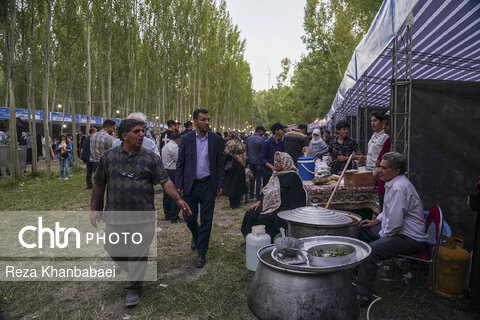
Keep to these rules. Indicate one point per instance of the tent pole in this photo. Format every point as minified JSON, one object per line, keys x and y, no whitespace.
{"x":365,"y":143}
{"x":394,"y":95}
{"x":409,"y":99}
{"x":358,"y":106}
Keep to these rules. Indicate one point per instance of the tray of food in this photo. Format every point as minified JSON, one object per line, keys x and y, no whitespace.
{"x":324,"y":254}
{"x":325,"y":178}
{"x":331,"y":254}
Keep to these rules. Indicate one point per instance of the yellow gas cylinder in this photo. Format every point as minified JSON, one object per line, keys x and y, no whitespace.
{"x":452,"y":265}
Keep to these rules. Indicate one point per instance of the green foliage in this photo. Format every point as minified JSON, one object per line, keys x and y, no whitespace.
{"x":167,"y":58}
{"x":332,"y":31}
{"x":280,"y":104}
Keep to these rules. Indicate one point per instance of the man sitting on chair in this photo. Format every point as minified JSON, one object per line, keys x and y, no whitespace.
{"x":398,"y":229}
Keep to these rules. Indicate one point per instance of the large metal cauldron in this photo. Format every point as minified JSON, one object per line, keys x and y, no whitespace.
{"x":280,"y":291}
{"x":316,"y":221}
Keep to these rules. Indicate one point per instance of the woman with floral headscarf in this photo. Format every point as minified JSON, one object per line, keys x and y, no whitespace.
{"x":284,"y":191}
{"x":235,"y":160}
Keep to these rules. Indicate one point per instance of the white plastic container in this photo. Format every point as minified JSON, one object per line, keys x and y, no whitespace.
{"x":254,"y":241}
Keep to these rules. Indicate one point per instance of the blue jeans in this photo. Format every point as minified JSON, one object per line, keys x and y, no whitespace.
{"x":65,"y":164}
{"x":256,"y":182}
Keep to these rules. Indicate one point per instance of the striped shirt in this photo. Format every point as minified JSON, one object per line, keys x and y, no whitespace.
{"x":99,"y":143}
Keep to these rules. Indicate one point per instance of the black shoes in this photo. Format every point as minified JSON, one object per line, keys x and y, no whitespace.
{"x":363,"y":301}
{"x":201,"y":261}
{"x":177,"y":220}
{"x":132,"y":299}
{"x":193,"y":244}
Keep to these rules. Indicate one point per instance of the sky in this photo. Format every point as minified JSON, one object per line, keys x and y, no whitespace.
{"x":273,"y":31}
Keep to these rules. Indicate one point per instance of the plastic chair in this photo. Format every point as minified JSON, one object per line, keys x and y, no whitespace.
{"x":435,"y":216}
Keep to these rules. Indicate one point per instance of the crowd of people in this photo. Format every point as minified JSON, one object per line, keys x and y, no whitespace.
{"x":196,"y":165}
{"x":59,"y":148}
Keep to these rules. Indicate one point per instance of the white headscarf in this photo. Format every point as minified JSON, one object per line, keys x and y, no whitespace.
{"x":316,"y":139}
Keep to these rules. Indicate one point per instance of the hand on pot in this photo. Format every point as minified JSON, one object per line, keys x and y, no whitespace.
{"x":369,"y":223}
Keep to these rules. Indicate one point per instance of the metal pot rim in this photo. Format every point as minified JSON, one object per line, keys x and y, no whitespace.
{"x":363,"y":250}
{"x":323,"y":226}
{"x":355,"y":217}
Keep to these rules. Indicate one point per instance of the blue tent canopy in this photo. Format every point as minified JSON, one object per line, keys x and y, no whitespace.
{"x":445,"y":46}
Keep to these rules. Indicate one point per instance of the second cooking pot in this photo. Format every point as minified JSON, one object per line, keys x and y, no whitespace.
{"x":312,"y":221}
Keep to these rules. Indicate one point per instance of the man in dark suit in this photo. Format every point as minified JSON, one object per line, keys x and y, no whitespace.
{"x":86,"y":157}
{"x":199,"y":176}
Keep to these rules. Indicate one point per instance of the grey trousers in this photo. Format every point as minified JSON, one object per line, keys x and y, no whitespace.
{"x":130,"y":257}
{"x":382,"y":249}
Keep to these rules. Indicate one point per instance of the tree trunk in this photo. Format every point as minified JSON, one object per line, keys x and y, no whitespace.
{"x":31,"y":100}
{"x":70,"y":95}
{"x":54,"y":91}
{"x":158,"y":118}
{"x":180,"y":111}
{"x":127,"y":64}
{"x":193,"y":92}
{"x":163,"y":102}
{"x":199,"y":98}
{"x":10,"y":41}
{"x":102,"y":83}
{"x":74,"y":127}
{"x":45,"y":90}
{"x":109,"y":80}
{"x":34,"y":129}
{"x":89,"y":72}
{"x":17,"y":173}
{"x":334,"y":59}
{"x":54,"y":101}
{"x":134,"y":102}
{"x":146,"y":92}
{"x":177,"y":105}
{"x":180,"y":100}
{"x":134,"y":99}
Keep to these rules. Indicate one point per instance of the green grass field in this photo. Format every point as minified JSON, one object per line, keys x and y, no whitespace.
{"x":218,"y":291}
{"x":182,"y":291}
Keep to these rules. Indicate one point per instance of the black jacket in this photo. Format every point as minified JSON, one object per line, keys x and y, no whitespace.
{"x":187,"y":161}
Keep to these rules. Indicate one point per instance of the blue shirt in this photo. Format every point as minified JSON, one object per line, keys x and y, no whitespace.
{"x":269,"y":147}
{"x":203,"y":163}
{"x":254,"y":148}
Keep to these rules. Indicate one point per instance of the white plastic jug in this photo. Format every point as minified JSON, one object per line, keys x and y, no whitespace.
{"x":254,"y":241}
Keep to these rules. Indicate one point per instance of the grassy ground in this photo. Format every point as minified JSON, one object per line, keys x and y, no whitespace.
{"x":182,"y":291}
